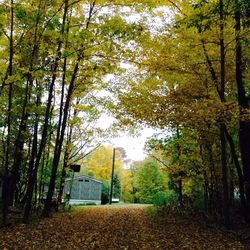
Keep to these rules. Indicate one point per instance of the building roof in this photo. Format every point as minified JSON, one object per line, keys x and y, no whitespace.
{"x":84,"y":176}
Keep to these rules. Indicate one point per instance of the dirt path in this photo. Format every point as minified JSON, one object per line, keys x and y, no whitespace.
{"x":116,"y":227}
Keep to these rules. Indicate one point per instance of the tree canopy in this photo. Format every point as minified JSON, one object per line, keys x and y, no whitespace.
{"x":178,"y":66}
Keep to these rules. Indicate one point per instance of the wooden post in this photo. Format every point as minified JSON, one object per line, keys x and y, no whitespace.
{"x":112,"y":178}
{"x":71,"y":184}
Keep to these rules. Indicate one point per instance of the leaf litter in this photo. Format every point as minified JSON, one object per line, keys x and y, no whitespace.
{"x":115,"y":227}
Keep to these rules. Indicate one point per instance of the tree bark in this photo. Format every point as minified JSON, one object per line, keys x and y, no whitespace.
{"x":59,"y":143}
{"x":244,"y":126}
{"x":32,"y":171}
{"x":239,"y":173}
{"x":6,"y":179}
{"x":226,"y":205}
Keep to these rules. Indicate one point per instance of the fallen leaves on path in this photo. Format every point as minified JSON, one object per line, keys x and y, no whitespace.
{"x":114,"y":227}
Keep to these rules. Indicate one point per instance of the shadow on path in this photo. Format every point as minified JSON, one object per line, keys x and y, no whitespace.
{"x":114,"y":227}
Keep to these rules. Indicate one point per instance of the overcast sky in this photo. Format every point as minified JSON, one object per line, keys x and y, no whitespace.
{"x":134,"y":144}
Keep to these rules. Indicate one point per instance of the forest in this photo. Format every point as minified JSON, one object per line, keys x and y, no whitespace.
{"x":180,"y":67}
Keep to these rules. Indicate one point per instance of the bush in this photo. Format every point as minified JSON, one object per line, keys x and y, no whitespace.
{"x":148,"y":181}
{"x":105,"y":193}
{"x":198,"y":201}
{"x":164,"y":199}
{"x":90,"y":204}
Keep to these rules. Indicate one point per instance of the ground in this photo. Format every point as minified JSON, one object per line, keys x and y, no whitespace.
{"x":115,"y":227}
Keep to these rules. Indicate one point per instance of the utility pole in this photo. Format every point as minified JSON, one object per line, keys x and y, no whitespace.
{"x":112,"y":178}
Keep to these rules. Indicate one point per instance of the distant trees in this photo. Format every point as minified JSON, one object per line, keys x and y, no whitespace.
{"x":117,"y":186}
{"x":99,"y":165}
{"x":148,"y":181}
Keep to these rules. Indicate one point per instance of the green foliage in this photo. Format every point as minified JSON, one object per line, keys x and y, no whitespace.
{"x":116,"y":186}
{"x":198,"y":201}
{"x":165,"y":199}
{"x":105,"y":193}
{"x":148,"y":181}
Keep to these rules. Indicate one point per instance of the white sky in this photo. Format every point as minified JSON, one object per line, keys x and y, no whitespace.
{"x":134,"y":144}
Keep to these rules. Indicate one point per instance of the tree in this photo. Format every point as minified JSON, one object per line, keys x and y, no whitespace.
{"x":192,"y":91}
{"x":99,"y":163}
{"x":117,"y":186}
{"x":51,"y":48}
{"x":105,"y":193}
{"x":148,"y":181}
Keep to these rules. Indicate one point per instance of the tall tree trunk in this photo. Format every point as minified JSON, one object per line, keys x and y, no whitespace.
{"x":6,"y":179}
{"x":226,"y":205}
{"x":41,"y":178}
{"x":213,"y":189}
{"x":50,"y":94}
{"x":32,"y":171}
{"x":229,"y":138}
{"x":19,"y":143}
{"x":180,"y":174}
{"x":18,"y":156}
{"x":59,"y":140}
{"x":66,"y":155}
{"x":239,"y":173}
{"x":46,"y":165}
{"x":62,"y":182}
{"x":65,"y":165}
{"x":59,"y":143}
{"x":244,"y":126}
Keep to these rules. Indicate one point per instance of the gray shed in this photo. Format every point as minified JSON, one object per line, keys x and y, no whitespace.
{"x":85,"y":189}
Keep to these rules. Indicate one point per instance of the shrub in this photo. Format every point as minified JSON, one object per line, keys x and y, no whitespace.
{"x":198,"y":201}
{"x":105,"y":193}
{"x":165,"y":199}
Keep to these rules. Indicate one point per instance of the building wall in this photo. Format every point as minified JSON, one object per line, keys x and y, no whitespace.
{"x":84,"y":189}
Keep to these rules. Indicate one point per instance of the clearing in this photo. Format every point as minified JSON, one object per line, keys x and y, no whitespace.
{"x":115,"y":227}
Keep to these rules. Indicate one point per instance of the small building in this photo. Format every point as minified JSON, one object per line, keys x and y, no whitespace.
{"x":84,"y":190}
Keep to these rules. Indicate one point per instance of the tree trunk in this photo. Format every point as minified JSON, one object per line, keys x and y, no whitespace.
{"x":50,"y":94}
{"x":47,"y":161}
{"x":32,"y":172}
{"x":19,"y":145}
{"x":180,"y":198}
{"x":59,"y":142}
{"x":244,"y":126}
{"x":6,"y":178}
{"x":62,"y":182}
{"x":226,"y":205}
{"x":239,"y":173}
{"x":66,"y":155}
{"x":65,"y":165}
{"x":41,"y":179}
{"x":224,"y":177}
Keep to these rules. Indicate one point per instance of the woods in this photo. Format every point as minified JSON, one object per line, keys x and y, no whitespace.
{"x":194,"y":83}
{"x":57,"y":53}
{"x":179,"y":67}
